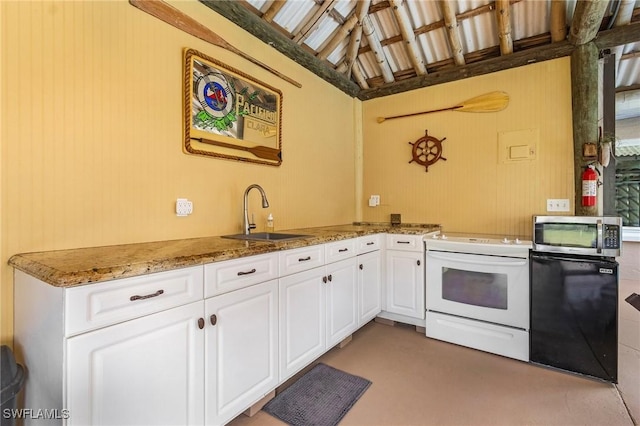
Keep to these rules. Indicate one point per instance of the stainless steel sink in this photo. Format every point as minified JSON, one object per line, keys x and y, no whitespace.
{"x":266,"y":236}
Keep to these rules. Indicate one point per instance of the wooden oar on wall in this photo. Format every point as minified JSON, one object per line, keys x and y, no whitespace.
{"x":489,"y":102}
{"x":172,"y":16}
{"x":259,"y":151}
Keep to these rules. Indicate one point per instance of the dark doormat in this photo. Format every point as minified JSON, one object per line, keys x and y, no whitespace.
{"x":321,"y":397}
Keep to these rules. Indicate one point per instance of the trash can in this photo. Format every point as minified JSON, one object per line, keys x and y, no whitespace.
{"x":12,"y":380}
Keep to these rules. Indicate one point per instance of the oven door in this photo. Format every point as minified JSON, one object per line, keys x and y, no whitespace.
{"x":487,"y":288}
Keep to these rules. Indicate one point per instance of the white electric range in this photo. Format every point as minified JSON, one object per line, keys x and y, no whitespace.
{"x":477,"y":292}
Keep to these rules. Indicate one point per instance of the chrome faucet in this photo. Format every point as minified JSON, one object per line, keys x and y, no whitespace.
{"x":248,"y":226}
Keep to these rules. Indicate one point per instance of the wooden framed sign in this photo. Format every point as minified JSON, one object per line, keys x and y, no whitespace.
{"x":228,"y":114}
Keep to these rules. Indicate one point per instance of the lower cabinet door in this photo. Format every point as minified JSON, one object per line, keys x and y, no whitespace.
{"x":241,"y":350}
{"x":148,"y":371}
{"x":405,"y":283}
{"x":370,"y":286}
{"x":342,"y":300}
{"x":302,"y":320}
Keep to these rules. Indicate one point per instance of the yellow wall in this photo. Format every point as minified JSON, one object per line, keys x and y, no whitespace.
{"x":91,"y":134}
{"x":471,"y":191}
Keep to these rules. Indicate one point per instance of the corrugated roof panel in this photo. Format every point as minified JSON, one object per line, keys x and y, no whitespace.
{"x":435,"y":45}
{"x":369,"y":65}
{"x":479,"y":32}
{"x":385,"y":24}
{"x":339,"y":52}
{"x":397,"y":57}
{"x":327,"y":25}
{"x":628,"y":72}
{"x":293,"y":13}
{"x":529,"y":18}
{"x":261,"y":5}
{"x":422,"y":13}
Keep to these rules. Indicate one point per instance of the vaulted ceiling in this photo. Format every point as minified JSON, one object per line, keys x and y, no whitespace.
{"x":374,"y":48}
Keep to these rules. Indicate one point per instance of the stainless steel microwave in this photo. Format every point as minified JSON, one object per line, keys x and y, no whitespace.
{"x":585,"y":235}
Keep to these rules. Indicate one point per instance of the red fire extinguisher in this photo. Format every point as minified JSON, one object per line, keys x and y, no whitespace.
{"x":589,"y":186}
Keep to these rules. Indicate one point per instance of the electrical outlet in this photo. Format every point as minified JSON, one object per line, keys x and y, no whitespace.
{"x":374,"y":200}
{"x":184,"y":207}
{"x":558,"y":205}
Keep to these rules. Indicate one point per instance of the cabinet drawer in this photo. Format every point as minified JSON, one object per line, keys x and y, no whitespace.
{"x":368,"y":243}
{"x":340,"y":250}
{"x":97,"y":305}
{"x":302,"y":259}
{"x":223,"y":277}
{"x":405,"y":242}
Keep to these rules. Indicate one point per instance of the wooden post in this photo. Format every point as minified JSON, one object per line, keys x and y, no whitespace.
{"x":584,"y":96}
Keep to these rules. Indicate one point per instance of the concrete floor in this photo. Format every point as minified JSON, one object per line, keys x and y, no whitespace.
{"x":421,"y":381}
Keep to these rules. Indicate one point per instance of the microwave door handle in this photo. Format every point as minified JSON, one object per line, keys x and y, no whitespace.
{"x":599,"y":243}
{"x":519,"y":262}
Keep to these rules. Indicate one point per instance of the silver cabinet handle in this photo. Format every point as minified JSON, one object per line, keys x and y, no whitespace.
{"x":146,"y":296}
{"x":253,"y":271}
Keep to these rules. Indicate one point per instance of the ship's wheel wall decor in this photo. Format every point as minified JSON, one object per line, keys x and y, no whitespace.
{"x":427,"y":150}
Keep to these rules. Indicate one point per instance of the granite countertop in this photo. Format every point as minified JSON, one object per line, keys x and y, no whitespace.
{"x":68,"y":268}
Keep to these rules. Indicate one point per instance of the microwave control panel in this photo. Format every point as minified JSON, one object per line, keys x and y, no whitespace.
{"x":611,"y":236}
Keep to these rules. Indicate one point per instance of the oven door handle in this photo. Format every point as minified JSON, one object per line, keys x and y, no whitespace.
{"x":519,"y":262}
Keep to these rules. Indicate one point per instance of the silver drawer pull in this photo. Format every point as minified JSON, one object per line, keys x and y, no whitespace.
{"x":342,"y":250}
{"x":147,"y":296}
{"x":248,"y":272}
{"x":304,"y":259}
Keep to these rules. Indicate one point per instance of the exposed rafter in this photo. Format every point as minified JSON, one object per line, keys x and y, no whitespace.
{"x":558,"y":18}
{"x":355,"y":41}
{"x":365,"y":68}
{"x":376,"y":48}
{"x":407,"y":34}
{"x":503,"y":18}
{"x":587,"y":18}
{"x":342,"y":33}
{"x":453,"y":36}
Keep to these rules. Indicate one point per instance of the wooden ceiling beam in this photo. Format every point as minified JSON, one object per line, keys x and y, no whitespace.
{"x":408,"y":36}
{"x":558,"y":18}
{"x":587,"y":18}
{"x":618,"y":35}
{"x":356,"y":39}
{"x":453,"y":34}
{"x":339,"y":36}
{"x":503,"y":18}
{"x":537,"y":54}
{"x":241,"y":16}
{"x":376,"y":48}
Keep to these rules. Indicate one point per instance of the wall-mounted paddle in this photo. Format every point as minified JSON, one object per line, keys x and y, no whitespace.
{"x":259,"y":151}
{"x":172,"y":16}
{"x":489,"y":102}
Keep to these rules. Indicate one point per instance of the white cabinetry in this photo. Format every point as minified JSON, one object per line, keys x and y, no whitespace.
{"x":119,"y":352}
{"x":318,"y":305}
{"x":146,"y":371}
{"x":241,"y":354}
{"x":405,"y":279}
{"x":369,"y":278}
{"x":302,"y":320}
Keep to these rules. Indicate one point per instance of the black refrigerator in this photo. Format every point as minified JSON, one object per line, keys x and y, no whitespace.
{"x":574,"y":314}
